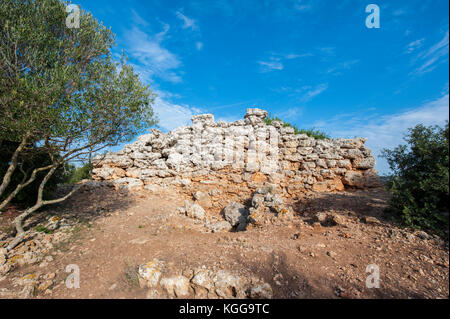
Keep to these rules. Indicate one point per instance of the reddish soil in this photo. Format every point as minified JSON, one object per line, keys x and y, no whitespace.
{"x":299,"y":259}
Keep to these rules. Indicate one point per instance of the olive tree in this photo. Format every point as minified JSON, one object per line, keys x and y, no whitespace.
{"x":62,"y":91}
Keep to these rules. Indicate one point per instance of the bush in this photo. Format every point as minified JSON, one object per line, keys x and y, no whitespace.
{"x":317,"y":134}
{"x":420,"y":183}
{"x":79,"y":173}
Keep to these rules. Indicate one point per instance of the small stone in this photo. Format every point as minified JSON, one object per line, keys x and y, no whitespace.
{"x":332,"y":254}
{"x":338,"y":219}
{"x":422,"y":235}
{"x":45,"y":285}
{"x":194,"y":210}
{"x":371,"y":220}
{"x":50,"y":275}
{"x":113,"y":286}
{"x":321,"y":217}
{"x":222,"y":226}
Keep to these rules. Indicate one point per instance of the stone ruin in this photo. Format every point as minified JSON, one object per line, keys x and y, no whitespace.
{"x":237,"y":158}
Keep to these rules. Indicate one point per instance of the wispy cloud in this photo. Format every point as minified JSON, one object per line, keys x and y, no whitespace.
{"x":386,"y":131}
{"x":276,"y":61}
{"x":291,"y":114}
{"x":188,"y":23}
{"x":430,"y":58}
{"x":137,"y":19}
{"x":311,"y":92}
{"x":411,"y":47}
{"x":267,"y":66}
{"x":336,"y":70}
{"x":152,"y":58}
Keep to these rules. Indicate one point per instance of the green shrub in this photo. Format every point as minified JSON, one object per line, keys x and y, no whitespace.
{"x":420,"y":181}
{"x":317,"y":134}
{"x":80,"y":173}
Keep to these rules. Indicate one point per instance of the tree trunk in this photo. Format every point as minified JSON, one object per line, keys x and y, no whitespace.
{"x":22,"y":185}
{"x":13,"y":165}
{"x":18,"y":221}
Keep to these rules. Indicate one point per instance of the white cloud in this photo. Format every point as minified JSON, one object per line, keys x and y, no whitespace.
{"x":313,"y":92}
{"x":429,"y":59}
{"x":276,"y":61}
{"x":188,"y":23}
{"x":153,"y":59}
{"x":267,"y":66}
{"x":387,"y":131}
{"x":291,"y":114}
{"x":411,"y":47}
{"x":172,"y":115}
{"x":137,"y":19}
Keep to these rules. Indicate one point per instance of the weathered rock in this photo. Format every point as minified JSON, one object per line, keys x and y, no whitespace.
{"x":371,"y":220}
{"x":321,"y":217}
{"x":45,"y":285}
{"x":338,"y":219}
{"x":227,"y":285}
{"x":194,"y":210}
{"x":421,"y":234}
{"x":236,"y":214}
{"x":354,"y":179}
{"x":150,"y":273}
{"x":222,"y":226}
{"x":177,"y":286}
{"x":202,"y":283}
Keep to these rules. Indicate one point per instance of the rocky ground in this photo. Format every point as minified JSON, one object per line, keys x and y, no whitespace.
{"x":161,"y":244}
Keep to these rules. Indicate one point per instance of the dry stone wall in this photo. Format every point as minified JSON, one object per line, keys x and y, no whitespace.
{"x":239,"y":157}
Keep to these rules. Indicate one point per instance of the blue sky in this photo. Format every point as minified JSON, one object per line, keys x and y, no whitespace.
{"x":312,"y":63}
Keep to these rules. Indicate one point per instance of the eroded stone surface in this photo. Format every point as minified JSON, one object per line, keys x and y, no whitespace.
{"x":244,"y":153}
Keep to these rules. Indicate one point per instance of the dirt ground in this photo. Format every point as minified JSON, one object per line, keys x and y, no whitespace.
{"x":112,"y":233}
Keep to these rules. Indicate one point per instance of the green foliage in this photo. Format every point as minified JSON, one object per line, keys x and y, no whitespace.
{"x":317,"y":134}
{"x":61,"y":88}
{"x":79,"y":173}
{"x":420,"y":183}
{"x":43,"y":229}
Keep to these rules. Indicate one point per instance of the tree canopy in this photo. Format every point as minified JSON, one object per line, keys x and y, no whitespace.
{"x":62,"y":89}
{"x":420,"y":184}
